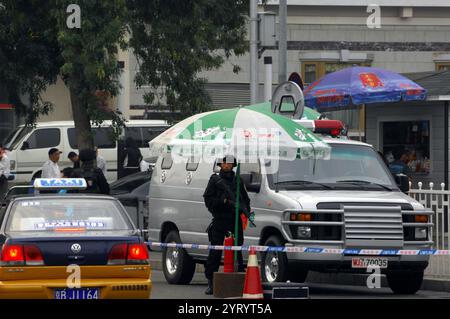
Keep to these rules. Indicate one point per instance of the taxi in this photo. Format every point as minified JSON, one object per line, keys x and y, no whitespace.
{"x":71,"y":246}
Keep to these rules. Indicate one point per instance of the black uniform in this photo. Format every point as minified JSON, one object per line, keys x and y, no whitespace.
{"x":96,"y":181}
{"x":221,"y":187}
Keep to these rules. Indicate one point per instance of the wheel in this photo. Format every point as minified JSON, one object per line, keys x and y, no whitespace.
{"x":274,"y":265}
{"x":178,"y":266}
{"x":405,"y":282}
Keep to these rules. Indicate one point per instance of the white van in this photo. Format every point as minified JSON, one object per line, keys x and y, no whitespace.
{"x":350,"y":201}
{"x":28,"y":147}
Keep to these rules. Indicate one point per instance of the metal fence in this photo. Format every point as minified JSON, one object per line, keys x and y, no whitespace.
{"x":439,"y":202}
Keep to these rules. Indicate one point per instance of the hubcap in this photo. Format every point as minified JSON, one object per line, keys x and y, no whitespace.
{"x":271,"y":266}
{"x":172,"y":259}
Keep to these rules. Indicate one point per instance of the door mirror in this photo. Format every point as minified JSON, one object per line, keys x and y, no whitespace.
{"x":25,"y":146}
{"x":252,"y":182}
{"x":403,"y":182}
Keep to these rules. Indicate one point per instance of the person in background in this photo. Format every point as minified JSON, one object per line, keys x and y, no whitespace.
{"x":132,"y":157}
{"x":96,"y":181}
{"x":400,"y":163}
{"x":75,"y":159}
{"x":5,"y":167}
{"x":383,"y":158}
{"x":101,"y":162}
{"x":50,"y":169}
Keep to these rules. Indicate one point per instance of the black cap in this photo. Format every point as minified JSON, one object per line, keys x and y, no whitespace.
{"x":227,"y":159}
{"x":71,"y":154}
{"x":53,"y":151}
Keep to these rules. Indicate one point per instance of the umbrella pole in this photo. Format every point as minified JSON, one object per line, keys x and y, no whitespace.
{"x":236,"y":227}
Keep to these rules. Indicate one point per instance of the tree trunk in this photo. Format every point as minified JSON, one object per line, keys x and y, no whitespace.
{"x":85,"y":139}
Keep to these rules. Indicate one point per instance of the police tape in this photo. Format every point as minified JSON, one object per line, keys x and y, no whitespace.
{"x":352,"y":251}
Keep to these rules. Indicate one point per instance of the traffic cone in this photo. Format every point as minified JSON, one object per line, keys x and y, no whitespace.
{"x":252,"y":285}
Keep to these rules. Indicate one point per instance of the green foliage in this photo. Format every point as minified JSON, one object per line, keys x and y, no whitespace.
{"x":29,"y":54}
{"x":173,"y":41}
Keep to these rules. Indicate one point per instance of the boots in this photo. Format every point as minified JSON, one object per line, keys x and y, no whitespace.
{"x":209,"y":290}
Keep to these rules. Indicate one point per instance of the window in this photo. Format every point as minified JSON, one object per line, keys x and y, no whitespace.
{"x":442,"y":66}
{"x":44,"y":138}
{"x":143,"y":135}
{"x":312,"y":71}
{"x":167,"y":161}
{"x":103,"y":137}
{"x":129,"y":185}
{"x":410,"y":137}
{"x":192,"y":164}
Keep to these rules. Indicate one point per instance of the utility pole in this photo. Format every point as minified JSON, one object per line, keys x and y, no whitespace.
{"x":253,"y":51}
{"x":282,"y":42}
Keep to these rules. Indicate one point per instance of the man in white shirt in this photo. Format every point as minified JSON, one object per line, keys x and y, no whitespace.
{"x":51,"y":168}
{"x":5,"y":167}
{"x":101,"y":162}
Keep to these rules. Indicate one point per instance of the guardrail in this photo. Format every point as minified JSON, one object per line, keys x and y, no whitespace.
{"x":439,"y":202}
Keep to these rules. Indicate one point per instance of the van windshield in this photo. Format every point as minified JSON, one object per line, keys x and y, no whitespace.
{"x":354,"y":167}
{"x":16,"y":136}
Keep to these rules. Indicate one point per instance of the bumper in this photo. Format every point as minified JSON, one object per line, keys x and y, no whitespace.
{"x":115,"y":288}
{"x":113,"y":282}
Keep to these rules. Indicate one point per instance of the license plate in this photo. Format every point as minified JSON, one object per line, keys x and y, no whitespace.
{"x":364,"y":262}
{"x":77,"y":293}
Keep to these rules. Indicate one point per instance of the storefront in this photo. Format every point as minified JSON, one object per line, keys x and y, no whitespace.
{"x":417,"y":129}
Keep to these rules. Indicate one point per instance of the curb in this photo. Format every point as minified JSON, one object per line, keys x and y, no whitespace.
{"x":433,"y":284}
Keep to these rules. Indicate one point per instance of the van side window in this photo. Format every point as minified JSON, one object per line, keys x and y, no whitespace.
{"x":167,"y":161}
{"x":143,"y":134}
{"x":192,"y":164}
{"x":44,"y":138}
{"x":103,"y":137}
{"x":248,"y":168}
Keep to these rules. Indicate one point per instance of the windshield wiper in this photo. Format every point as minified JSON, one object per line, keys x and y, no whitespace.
{"x":302,"y":182}
{"x":359,"y":182}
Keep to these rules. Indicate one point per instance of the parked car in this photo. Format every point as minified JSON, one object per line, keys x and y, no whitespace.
{"x":132,"y":191}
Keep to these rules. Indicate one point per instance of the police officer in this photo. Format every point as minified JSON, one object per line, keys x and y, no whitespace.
{"x":220,"y":200}
{"x":96,"y":181}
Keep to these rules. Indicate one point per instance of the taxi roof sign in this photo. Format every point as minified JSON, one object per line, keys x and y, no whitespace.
{"x":59,"y":183}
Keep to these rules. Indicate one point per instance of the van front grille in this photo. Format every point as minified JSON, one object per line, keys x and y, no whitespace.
{"x":373,"y":223}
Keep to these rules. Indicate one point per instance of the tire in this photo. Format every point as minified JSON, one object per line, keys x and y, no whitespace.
{"x":405,"y":282}
{"x":274,"y":265}
{"x":178,"y":266}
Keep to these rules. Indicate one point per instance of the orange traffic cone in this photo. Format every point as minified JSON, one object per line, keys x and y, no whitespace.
{"x":252,"y":285}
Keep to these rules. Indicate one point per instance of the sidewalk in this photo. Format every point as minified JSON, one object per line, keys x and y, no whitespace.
{"x":432,"y":284}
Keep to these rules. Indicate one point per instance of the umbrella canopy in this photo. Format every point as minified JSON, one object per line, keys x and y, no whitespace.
{"x":248,"y":133}
{"x":308,"y":113}
{"x":361,"y":85}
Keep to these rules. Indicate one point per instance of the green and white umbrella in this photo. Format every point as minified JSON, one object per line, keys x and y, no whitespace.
{"x":250,"y":132}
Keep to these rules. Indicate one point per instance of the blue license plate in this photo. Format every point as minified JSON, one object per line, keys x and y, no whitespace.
{"x":77,"y":293}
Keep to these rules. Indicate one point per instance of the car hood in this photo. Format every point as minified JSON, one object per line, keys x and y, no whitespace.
{"x":309,"y":199}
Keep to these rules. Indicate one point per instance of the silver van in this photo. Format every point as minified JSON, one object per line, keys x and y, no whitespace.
{"x":350,"y":201}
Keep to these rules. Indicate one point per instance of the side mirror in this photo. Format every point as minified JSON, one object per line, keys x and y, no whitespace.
{"x":252,"y":182}
{"x":403,"y":182}
{"x":25,"y":146}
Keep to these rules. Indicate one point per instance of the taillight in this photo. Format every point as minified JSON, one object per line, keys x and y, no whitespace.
{"x":128,"y":254}
{"x":33,"y":256}
{"x":16,"y":255}
{"x":137,"y":253}
{"x":12,"y":255}
{"x":118,"y":255}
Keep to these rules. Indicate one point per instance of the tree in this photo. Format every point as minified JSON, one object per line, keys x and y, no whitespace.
{"x":175,"y":39}
{"x":172,"y":39}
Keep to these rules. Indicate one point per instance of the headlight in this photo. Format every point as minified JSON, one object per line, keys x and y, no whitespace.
{"x":13,"y":165}
{"x":420,"y":233}
{"x":304,"y":232}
